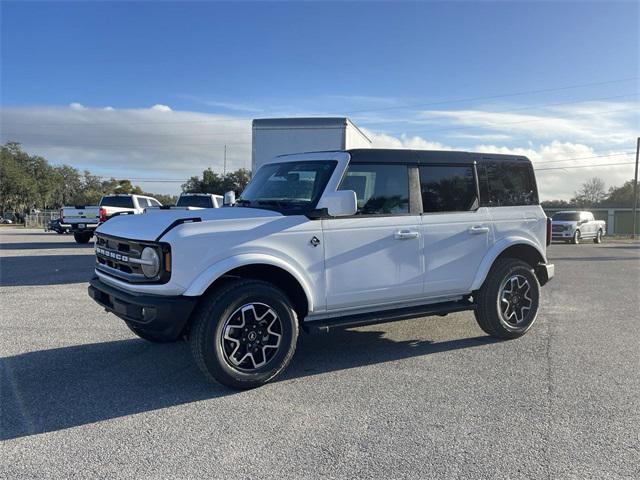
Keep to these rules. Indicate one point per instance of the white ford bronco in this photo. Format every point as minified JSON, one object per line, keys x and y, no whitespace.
{"x":330,"y":239}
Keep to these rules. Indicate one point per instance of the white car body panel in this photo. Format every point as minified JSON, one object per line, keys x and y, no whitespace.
{"x":358,"y":249}
{"x":89,"y":216}
{"x":454,"y":245}
{"x":359,"y":262}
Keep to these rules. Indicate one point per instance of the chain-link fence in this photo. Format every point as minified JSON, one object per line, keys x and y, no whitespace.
{"x":41,"y":219}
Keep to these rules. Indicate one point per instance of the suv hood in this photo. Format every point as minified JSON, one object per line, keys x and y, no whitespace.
{"x":149,"y":226}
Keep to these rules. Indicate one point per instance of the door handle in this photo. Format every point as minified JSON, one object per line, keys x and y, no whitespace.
{"x":406,"y":234}
{"x":477,"y":229}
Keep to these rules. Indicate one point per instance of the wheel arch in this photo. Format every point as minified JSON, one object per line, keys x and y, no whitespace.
{"x":520,"y":248}
{"x":260,"y":267}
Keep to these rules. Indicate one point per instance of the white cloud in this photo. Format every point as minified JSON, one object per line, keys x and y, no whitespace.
{"x":77,"y":106}
{"x":161,"y":108}
{"x":143,"y":142}
{"x":150,"y":143}
{"x":592,"y":122}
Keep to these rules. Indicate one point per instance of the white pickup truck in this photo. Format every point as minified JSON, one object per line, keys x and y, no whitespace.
{"x":199,"y":200}
{"x":574,"y":226}
{"x":83,"y":221}
{"x":325,"y":240}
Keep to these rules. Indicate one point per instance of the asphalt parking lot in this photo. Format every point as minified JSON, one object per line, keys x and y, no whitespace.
{"x":82,"y":397}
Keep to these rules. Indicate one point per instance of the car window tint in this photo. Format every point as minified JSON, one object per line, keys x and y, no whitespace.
{"x":194,"y":201}
{"x":448,"y":188}
{"x":507,"y":183}
{"x":121,"y":202}
{"x":380,"y":189}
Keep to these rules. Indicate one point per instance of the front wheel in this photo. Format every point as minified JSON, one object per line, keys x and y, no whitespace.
{"x":244,"y":334}
{"x":598,"y":238}
{"x":508,"y":300}
{"x":82,"y":237}
{"x":576,"y":237}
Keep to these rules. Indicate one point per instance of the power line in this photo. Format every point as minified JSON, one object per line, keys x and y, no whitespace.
{"x":489,"y":97}
{"x":452,"y":128}
{"x":501,"y":124}
{"x":538,"y":106}
{"x":586,"y":158}
{"x":244,"y":132}
{"x":584,"y":166}
{"x":134,"y":146}
{"x":399,"y":107}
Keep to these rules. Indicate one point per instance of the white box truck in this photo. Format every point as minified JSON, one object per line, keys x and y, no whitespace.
{"x":280,"y":136}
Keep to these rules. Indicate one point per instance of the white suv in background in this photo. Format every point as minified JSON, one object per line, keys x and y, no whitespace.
{"x":331,"y":239}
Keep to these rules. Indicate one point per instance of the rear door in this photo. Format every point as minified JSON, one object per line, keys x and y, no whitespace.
{"x":374,"y":257}
{"x":455,"y":229}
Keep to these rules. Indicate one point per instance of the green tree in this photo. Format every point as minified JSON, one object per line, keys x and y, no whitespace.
{"x":621,"y":196}
{"x":590,"y":193}
{"x":213,"y":182}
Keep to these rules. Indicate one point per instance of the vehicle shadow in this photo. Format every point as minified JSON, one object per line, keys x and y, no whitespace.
{"x":595,"y":259}
{"x":45,"y":246}
{"x":50,"y":390}
{"x":45,"y":269}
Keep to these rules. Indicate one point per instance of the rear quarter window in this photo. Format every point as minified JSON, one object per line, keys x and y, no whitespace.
{"x":504,"y":184}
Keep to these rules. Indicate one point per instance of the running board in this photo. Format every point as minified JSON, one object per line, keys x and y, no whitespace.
{"x":371,"y":318}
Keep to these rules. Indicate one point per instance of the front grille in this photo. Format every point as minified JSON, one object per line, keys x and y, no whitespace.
{"x":117,"y":257}
{"x":557,"y":228}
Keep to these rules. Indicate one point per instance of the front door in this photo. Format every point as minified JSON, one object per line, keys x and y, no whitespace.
{"x":374,"y":257}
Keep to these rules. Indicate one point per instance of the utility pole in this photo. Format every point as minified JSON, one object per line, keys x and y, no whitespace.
{"x":224,"y":168}
{"x":635,"y":191}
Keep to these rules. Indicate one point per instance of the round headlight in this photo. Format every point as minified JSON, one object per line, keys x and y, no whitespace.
{"x":151,"y":267}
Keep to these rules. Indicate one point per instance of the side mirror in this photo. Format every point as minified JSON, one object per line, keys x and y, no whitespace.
{"x":229,"y":198}
{"x":339,"y":204}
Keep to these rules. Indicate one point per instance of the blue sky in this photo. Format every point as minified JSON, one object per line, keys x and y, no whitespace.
{"x":394,"y":67}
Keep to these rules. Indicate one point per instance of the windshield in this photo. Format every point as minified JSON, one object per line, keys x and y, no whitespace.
{"x":567,"y":217}
{"x":194,"y":201}
{"x":122,"y":202}
{"x":290,"y":188}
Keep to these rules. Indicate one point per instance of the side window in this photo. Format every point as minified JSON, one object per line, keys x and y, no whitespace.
{"x":448,"y":188}
{"x":154,"y":203}
{"x":380,"y":189}
{"x":508,"y":184}
{"x":142,"y":202}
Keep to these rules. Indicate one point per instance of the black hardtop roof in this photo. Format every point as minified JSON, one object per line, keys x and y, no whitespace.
{"x":385,"y":155}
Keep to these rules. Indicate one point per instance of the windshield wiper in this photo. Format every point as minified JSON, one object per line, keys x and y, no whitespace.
{"x":241,"y":202}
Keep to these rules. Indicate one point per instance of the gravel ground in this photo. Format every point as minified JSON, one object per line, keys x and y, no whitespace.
{"x":82,"y":397}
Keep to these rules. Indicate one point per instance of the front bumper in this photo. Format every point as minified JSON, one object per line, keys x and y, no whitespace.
{"x":561,"y":235}
{"x":545,"y":272}
{"x":162,"y":315}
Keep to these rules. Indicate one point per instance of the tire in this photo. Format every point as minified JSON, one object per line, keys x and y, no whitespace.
{"x":151,"y":337}
{"x":82,"y":237}
{"x":576,"y":237}
{"x":241,"y":307}
{"x":501,"y":321}
{"x":598,"y":237}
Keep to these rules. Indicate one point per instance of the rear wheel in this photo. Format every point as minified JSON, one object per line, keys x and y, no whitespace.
{"x":82,"y":237}
{"x":508,"y":300}
{"x":576,"y":237}
{"x":244,"y":334}
{"x":598,"y":238}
